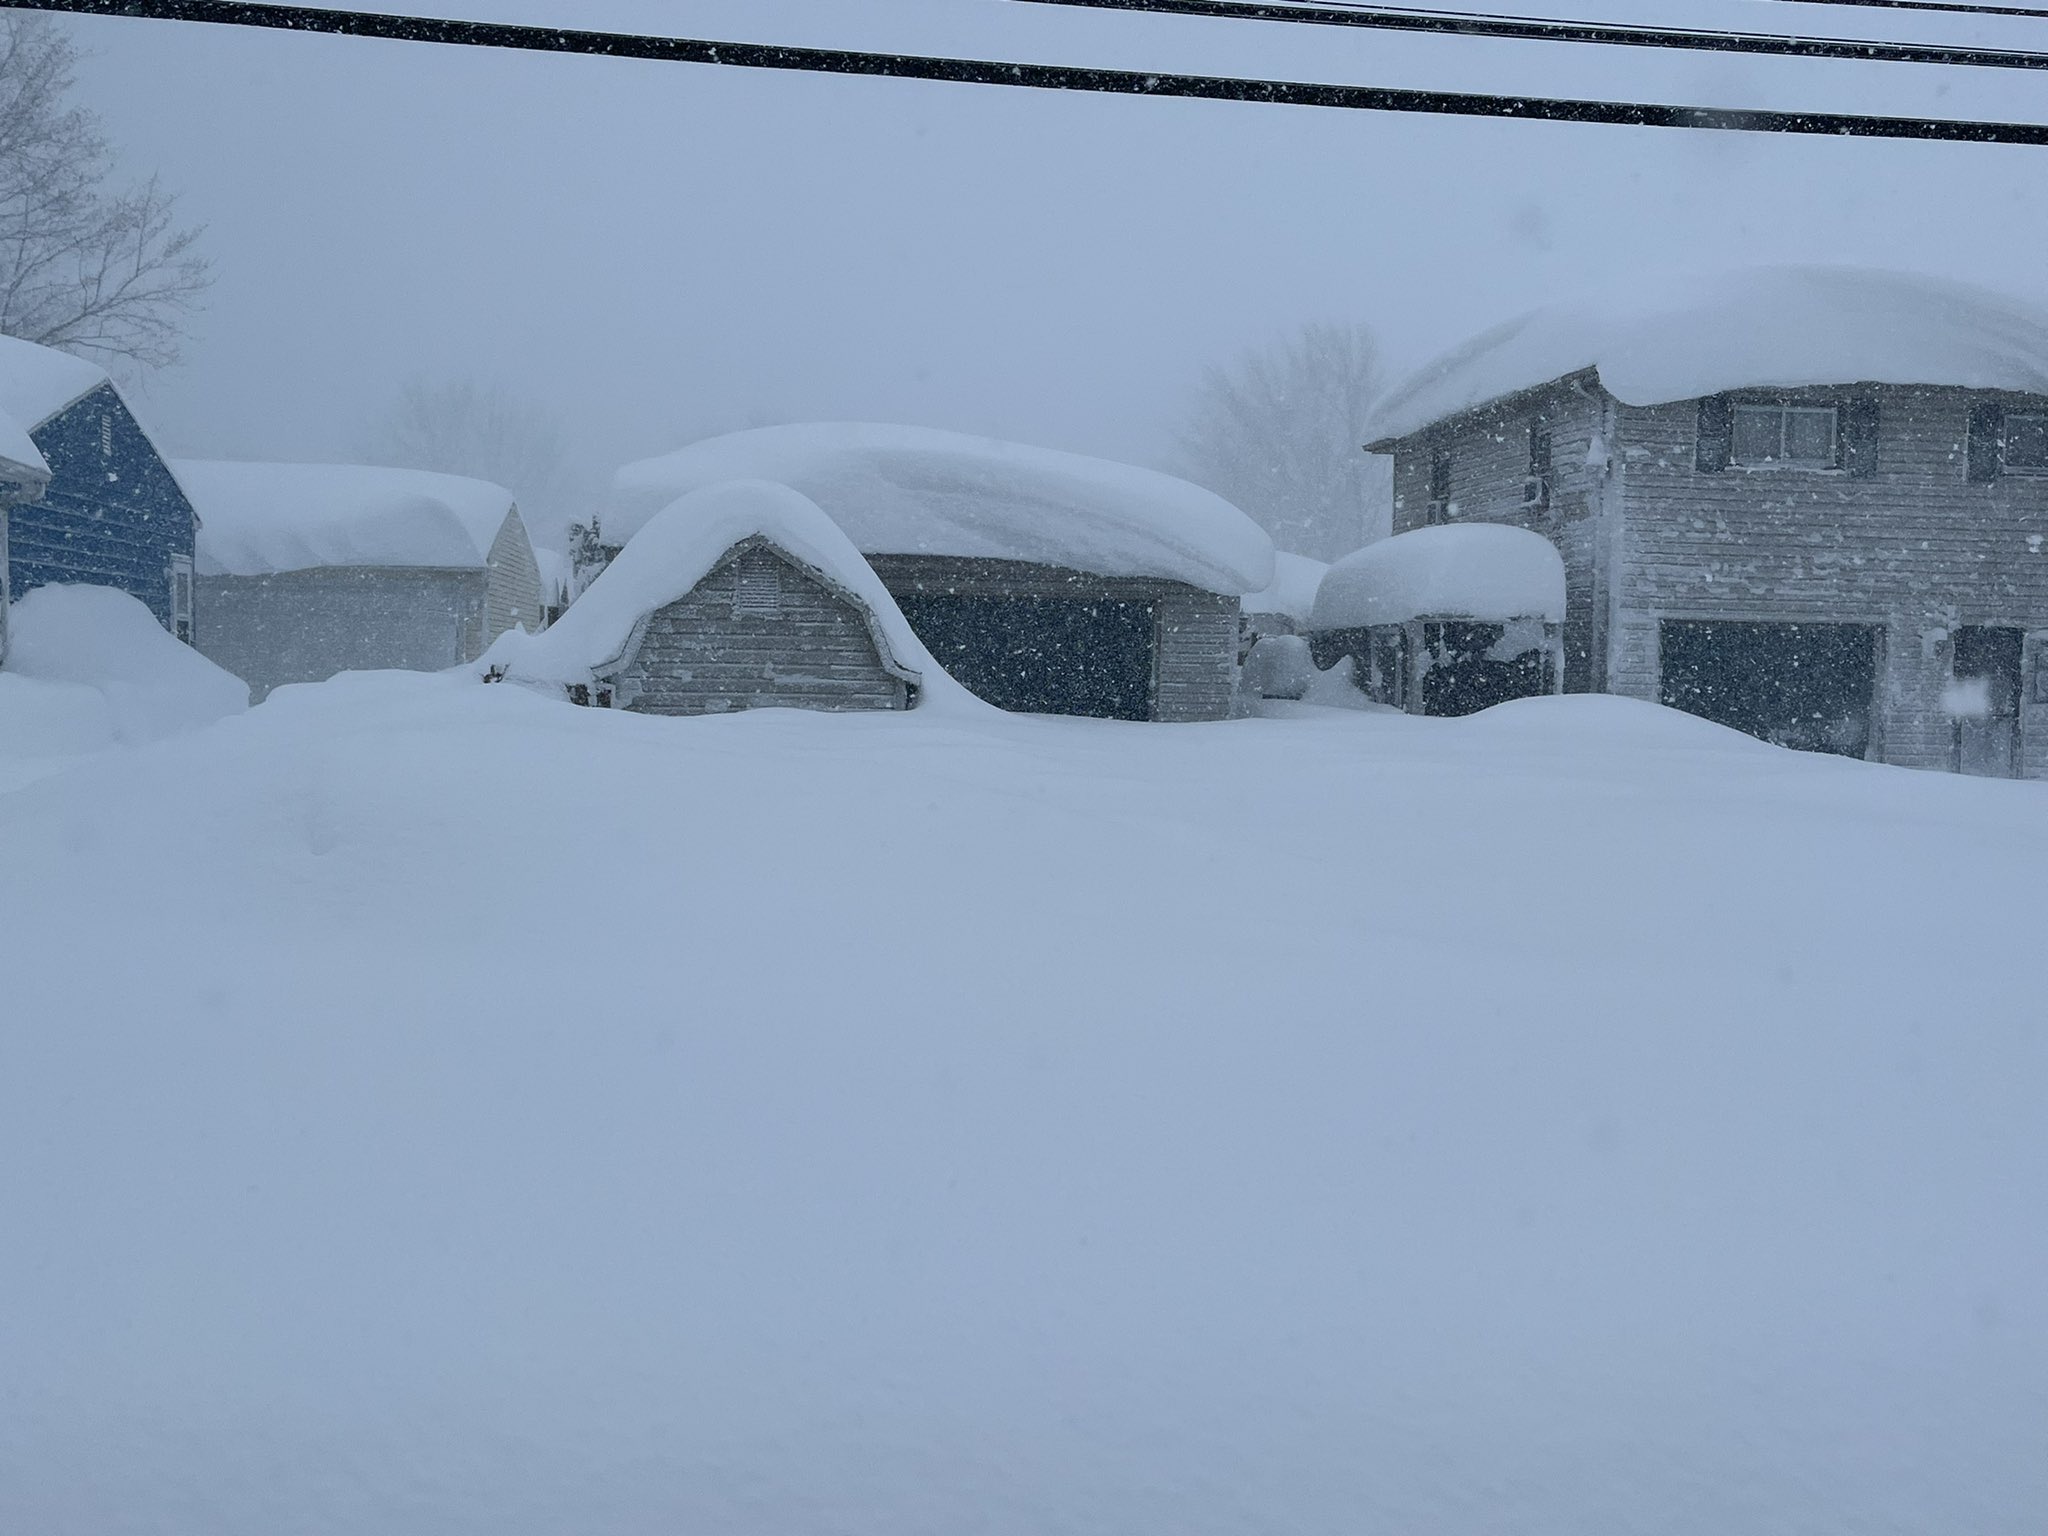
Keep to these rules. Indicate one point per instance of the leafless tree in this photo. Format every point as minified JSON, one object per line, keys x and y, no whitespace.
{"x":1277,"y":433}
{"x":85,"y":263}
{"x":461,"y":427}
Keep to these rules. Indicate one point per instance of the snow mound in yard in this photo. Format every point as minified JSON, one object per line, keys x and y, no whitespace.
{"x":256,"y":519}
{"x":1684,"y":337}
{"x":666,"y":559}
{"x":920,"y":491}
{"x":1484,"y":571}
{"x":431,"y":1111}
{"x":89,"y":667}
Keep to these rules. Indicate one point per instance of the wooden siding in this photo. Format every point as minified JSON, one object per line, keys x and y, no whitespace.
{"x":306,"y":626}
{"x":1489,"y":451}
{"x":1194,"y":664}
{"x":512,"y":595}
{"x":113,"y":515}
{"x":1915,"y":549}
{"x":705,"y":654}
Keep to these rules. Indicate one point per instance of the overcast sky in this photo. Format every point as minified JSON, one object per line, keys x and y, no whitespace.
{"x":655,"y":251}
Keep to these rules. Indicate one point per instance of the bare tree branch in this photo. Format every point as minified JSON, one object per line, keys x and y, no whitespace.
{"x":85,"y":264}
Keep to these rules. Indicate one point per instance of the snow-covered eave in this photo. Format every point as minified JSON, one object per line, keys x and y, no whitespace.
{"x":1576,"y":379}
{"x":1451,"y":616}
{"x":610,"y":671}
{"x":213,"y":570}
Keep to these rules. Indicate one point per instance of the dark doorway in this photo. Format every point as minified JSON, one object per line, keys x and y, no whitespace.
{"x":1806,"y":686}
{"x":1986,"y":701}
{"x":1039,"y":655}
{"x":1465,"y":670}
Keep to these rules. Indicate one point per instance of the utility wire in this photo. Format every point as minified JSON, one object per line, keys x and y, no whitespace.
{"x":1052,"y":77}
{"x":1950,"y":7}
{"x":1397,"y":18}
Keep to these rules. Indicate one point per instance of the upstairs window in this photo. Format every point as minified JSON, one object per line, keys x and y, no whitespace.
{"x":1536,"y":489}
{"x":2024,"y":443}
{"x":1786,"y":436}
{"x":1439,"y":485}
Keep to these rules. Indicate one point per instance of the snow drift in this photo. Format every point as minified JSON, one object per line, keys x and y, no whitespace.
{"x":916,"y":490}
{"x":89,"y":667}
{"x":1484,"y":571}
{"x":1685,"y":337}
{"x":257,"y":519}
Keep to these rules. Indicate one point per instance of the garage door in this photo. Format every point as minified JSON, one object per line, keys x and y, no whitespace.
{"x":1808,"y":686}
{"x":1049,"y":656}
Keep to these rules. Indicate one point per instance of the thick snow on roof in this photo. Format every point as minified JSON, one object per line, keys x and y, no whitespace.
{"x":668,"y":557}
{"x":1765,"y":326}
{"x":38,"y":382}
{"x":261,"y":518}
{"x":20,"y":459}
{"x":1293,"y":590}
{"x":1485,"y":571}
{"x":916,"y":490}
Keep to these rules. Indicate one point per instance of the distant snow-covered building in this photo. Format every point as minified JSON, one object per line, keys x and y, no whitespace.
{"x":1445,"y":621}
{"x":23,"y":477}
{"x":739,"y":596}
{"x":111,"y":512}
{"x":307,"y":570}
{"x":1042,"y":581}
{"x":1807,"y":502}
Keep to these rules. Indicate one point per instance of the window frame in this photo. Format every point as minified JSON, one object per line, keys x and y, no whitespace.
{"x":1785,"y":409}
{"x":2006,"y":463}
{"x":1542,"y":459}
{"x":1440,"y":498}
{"x":180,"y":575}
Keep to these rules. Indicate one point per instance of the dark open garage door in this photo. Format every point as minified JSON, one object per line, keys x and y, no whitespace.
{"x":1052,"y":656}
{"x":1808,"y":686}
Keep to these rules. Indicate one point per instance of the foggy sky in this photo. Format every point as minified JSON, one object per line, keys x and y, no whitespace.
{"x":655,"y":251}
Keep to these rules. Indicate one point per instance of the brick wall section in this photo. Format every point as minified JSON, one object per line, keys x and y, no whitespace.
{"x":1916,"y":549}
{"x":1194,"y":663}
{"x":701,"y":655}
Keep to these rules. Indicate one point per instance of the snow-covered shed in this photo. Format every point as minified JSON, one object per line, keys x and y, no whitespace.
{"x":1807,"y":502}
{"x":110,"y":513}
{"x":742,"y":595}
{"x":1445,"y":621}
{"x":1042,"y":581}
{"x":306,"y":570}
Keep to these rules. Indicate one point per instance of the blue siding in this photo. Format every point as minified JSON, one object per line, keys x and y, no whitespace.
{"x":113,"y":515}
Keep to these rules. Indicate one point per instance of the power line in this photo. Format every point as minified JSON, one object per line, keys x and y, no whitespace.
{"x":1051,"y":77}
{"x":1397,"y":18}
{"x":1950,"y":7}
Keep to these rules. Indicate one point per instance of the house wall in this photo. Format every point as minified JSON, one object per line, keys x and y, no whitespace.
{"x":512,"y":595}
{"x":306,"y":626}
{"x":1489,"y":451}
{"x":1915,"y":547}
{"x":703,"y":655}
{"x":1194,"y":667}
{"x":113,"y":515}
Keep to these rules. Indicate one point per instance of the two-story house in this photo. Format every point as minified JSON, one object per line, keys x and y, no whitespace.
{"x":1810,"y":503}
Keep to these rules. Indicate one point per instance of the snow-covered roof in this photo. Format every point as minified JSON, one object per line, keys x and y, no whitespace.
{"x":1293,"y":590}
{"x":1484,"y":571}
{"x":1762,"y":327}
{"x":20,"y":460}
{"x":666,"y":559}
{"x":261,"y":518}
{"x":38,"y":382}
{"x":916,"y":490}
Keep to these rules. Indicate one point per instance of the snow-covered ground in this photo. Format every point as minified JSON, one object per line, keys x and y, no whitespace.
{"x":428,"y":1108}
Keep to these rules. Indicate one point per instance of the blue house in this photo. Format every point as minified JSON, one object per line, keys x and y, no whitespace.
{"x":112,"y":515}
{"x":23,"y":475}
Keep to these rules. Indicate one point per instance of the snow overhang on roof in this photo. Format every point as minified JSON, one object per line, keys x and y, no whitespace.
{"x":1487,"y":572}
{"x":260,"y":519}
{"x":1765,"y":327}
{"x":38,"y":382}
{"x":918,"y":491}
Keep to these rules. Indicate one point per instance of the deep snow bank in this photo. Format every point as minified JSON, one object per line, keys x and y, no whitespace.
{"x":89,"y":667}
{"x":480,"y":1116}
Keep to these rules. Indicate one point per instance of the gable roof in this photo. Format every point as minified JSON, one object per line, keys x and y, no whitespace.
{"x":1761,"y":327}
{"x":38,"y":382}
{"x":258,"y":519}
{"x":919,"y":491}
{"x":665,"y":560}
